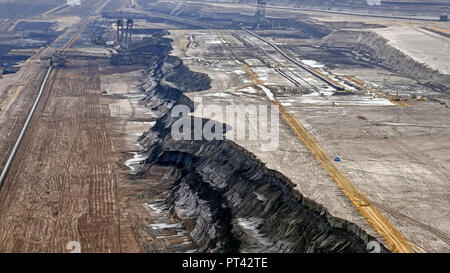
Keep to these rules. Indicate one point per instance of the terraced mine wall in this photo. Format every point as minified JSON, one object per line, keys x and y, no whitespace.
{"x":149,"y":51}
{"x":378,"y":7}
{"x":238,"y":205}
{"x":227,"y":200}
{"x":10,"y":9}
{"x":15,"y":46}
{"x":377,"y":49}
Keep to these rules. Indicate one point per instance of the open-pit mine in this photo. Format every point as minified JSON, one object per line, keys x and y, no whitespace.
{"x":244,"y":126}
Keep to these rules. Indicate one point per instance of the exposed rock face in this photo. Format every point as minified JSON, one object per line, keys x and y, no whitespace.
{"x":380,"y":7}
{"x":148,"y":51}
{"x":10,"y":9}
{"x":226,"y":198}
{"x":166,"y":80}
{"x":376,"y":48}
{"x":173,"y":73}
{"x":240,"y":205}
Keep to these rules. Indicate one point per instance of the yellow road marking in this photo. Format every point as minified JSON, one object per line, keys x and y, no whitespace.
{"x":367,"y":87}
{"x":394,"y":239}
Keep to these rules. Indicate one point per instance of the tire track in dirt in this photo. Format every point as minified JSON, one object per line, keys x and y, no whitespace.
{"x":66,"y":157}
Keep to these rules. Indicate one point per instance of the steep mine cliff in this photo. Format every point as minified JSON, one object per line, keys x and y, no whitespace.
{"x":378,"y":7}
{"x":377,"y":49}
{"x":241,"y":206}
{"x":225,"y":198}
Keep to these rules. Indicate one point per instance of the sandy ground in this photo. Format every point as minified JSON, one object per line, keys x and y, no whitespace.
{"x":69,"y":123}
{"x":17,"y":93}
{"x":422,"y":45}
{"x":69,"y":181}
{"x":405,"y":175}
{"x":232,"y":86}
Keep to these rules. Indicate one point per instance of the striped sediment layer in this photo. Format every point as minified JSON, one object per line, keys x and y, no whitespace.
{"x":222,"y":195}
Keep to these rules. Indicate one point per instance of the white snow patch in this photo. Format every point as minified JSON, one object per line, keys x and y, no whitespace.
{"x":268,"y":92}
{"x":156,"y":207}
{"x":250,"y":226}
{"x":135,"y":96}
{"x":214,"y":42}
{"x":137,"y":159}
{"x":344,"y":100}
{"x":312,"y":63}
{"x":165,"y":226}
{"x":249,"y":89}
{"x":260,"y":197}
{"x":218,"y":94}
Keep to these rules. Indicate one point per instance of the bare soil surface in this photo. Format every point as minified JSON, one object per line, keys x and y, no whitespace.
{"x":68,"y":181}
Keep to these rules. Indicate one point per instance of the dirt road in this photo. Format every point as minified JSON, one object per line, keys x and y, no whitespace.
{"x":50,"y":171}
{"x":16,"y":100}
{"x":68,"y":181}
{"x":63,"y":183}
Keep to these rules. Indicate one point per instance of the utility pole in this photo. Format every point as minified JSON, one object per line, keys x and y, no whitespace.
{"x":130,"y":24}
{"x":260,"y":13}
{"x":119,"y":30}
